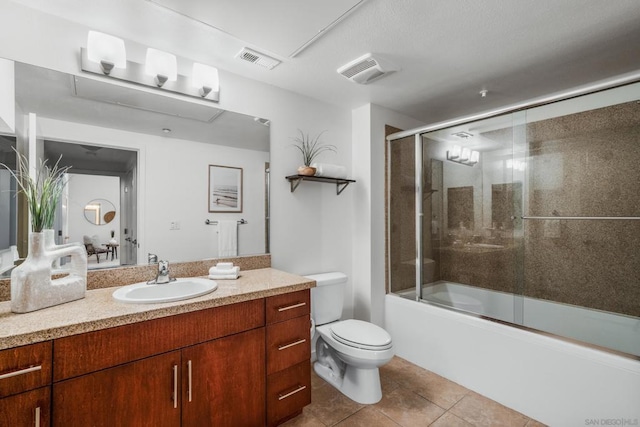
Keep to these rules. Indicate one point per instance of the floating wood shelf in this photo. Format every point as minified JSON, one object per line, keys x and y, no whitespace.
{"x":341,"y":183}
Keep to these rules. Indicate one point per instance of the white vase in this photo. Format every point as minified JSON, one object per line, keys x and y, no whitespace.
{"x":32,"y":287}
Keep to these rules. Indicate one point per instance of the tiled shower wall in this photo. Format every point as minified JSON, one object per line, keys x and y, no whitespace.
{"x":585,"y":164}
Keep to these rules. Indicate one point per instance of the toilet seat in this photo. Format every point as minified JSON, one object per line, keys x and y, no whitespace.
{"x":359,"y":334}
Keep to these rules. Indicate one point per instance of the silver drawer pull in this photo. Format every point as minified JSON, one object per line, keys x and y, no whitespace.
{"x":283,"y":347}
{"x":190,"y":378}
{"x":20,"y":372}
{"x":37,"y":417}
{"x":291,"y":393}
{"x":175,"y":386}
{"x":289,"y":307}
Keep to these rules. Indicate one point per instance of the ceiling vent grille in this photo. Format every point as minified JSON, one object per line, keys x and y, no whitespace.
{"x":366,"y":69}
{"x":257,"y":58}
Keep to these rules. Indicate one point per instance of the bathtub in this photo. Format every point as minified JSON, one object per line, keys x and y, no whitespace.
{"x":605,"y":329}
{"x":557,"y":382}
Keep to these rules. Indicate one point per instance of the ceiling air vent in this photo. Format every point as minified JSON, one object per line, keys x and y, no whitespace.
{"x":257,"y":58}
{"x":366,"y":69}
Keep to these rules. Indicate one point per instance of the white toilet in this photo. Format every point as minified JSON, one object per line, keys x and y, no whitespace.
{"x":348,"y":353}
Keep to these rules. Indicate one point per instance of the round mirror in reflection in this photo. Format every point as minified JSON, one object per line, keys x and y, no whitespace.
{"x":99,"y":211}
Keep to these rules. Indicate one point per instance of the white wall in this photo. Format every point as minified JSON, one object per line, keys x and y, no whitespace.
{"x":368,"y":279}
{"x":309,"y":228}
{"x":82,"y":190}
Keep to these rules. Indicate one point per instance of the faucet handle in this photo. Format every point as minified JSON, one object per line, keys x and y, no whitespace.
{"x":152,"y":258}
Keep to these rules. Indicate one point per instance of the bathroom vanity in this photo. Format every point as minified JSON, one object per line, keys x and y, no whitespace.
{"x":238,"y":356}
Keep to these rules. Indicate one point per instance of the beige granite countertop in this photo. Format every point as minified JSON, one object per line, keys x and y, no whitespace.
{"x":98,"y":310}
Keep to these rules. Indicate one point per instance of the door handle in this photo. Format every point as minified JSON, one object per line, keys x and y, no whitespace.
{"x":175,"y":386}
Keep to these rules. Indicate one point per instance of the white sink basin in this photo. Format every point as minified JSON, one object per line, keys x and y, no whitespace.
{"x":181,"y":289}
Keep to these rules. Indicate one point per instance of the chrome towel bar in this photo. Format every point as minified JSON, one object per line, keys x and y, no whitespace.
{"x":209,"y":222}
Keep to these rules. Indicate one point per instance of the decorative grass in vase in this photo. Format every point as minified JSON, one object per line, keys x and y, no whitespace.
{"x":32,"y":287}
{"x":310,"y":148}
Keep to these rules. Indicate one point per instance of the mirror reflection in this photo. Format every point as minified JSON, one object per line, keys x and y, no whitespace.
{"x":99,"y":212}
{"x":158,"y":150}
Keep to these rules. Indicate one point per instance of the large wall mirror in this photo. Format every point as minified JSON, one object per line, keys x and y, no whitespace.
{"x":147,"y":154}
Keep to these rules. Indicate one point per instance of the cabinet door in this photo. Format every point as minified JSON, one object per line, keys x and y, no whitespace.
{"x":142,"y":393}
{"x":28,"y":409}
{"x":226,"y":385}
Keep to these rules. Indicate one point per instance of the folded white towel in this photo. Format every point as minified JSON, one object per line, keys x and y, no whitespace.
{"x":213,"y":271}
{"x":224,"y":265}
{"x":330,"y":170}
{"x":223,"y":276}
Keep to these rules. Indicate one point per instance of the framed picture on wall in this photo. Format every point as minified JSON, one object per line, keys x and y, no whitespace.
{"x":225,"y":189}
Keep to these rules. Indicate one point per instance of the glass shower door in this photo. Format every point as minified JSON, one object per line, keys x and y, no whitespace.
{"x":402,"y":217}
{"x":582,"y":228}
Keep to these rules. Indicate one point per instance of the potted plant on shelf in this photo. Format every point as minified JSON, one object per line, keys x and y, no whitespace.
{"x":32,"y":287}
{"x":310,"y":148}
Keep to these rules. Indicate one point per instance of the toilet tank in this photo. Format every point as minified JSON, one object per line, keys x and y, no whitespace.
{"x":327,"y":298}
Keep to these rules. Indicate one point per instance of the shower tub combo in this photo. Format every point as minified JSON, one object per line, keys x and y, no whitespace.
{"x":527,"y":224}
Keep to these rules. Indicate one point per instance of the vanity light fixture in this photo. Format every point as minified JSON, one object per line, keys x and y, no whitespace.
{"x":205,"y":79}
{"x":105,"y":56}
{"x":464,"y":156}
{"x":455,"y":153}
{"x":106,"y":50}
{"x":475,"y":157}
{"x":162,"y":66}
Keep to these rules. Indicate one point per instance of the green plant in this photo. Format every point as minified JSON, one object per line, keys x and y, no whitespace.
{"x":311,"y":147}
{"x":42,"y":192}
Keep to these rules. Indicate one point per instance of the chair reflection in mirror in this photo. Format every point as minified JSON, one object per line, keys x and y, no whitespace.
{"x":93,"y":247}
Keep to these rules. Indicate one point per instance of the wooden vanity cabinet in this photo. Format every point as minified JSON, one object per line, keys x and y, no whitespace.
{"x":223,"y":382}
{"x":134,"y":394}
{"x":28,"y":409}
{"x":217,"y":383}
{"x":223,"y":366}
{"x":25,"y":385}
{"x":201,"y":368}
{"x":288,"y":355}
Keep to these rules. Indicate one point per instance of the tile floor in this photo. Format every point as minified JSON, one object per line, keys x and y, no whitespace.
{"x":411,"y":397}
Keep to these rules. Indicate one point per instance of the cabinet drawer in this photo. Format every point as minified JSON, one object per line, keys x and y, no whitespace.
{"x":25,"y":368}
{"x":288,"y":391}
{"x":288,"y":306}
{"x":288,"y":343}
{"x":80,"y":354}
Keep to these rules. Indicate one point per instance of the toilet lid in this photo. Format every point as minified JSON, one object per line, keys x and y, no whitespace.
{"x":359,"y":334}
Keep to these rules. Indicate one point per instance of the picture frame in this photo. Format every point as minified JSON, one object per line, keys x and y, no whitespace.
{"x":225,"y":189}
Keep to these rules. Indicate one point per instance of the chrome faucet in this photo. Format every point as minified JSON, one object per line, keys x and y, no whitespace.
{"x":163,"y":274}
{"x":152,"y":258}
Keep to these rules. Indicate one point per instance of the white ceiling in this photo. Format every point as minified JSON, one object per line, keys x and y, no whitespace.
{"x":447,"y":51}
{"x":273,"y":25}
